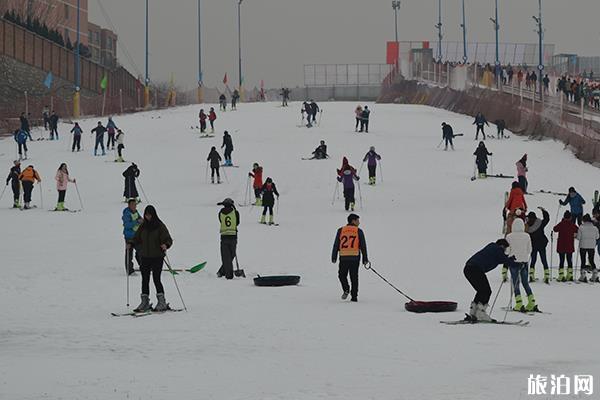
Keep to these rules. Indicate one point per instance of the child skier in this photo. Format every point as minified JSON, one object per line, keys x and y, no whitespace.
{"x":130,"y":191}
{"x":215,"y":163}
{"x":371,"y":158}
{"x":522,"y":172}
{"x":212,"y":116}
{"x":358,"y":115}
{"x":565,"y":246}
{"x":320,"y":152}
{"x":131,"y":222}
{"x":13,"y":178}
{"x":202,"y":115}
{"x":576,"y":202}
{"x":447,"y":136}
{"x":120,"y":145}
{"x":229,"y":218}
{"x":235,"y":96}
{"x":111,"y":127}
{"x":62,"y":179}
{"x":76,"y":131}
{"x":515,"y":204}
{"x":20,"y":137}
{"x":539,"y":241}
{"x":347,"y":175}
{"x":480,"y":121}
{"x":222,"y":102}
{"x":364,"y":120}
{"x":520,"y":249}
{"x":99,"y":130}
{"x":28,"y":178}
{"x":481,"y":159}
{"x":268,"y":200}
{"x":228,"y":144}
{"x":257,"y":185}
{"x":587,"y":236}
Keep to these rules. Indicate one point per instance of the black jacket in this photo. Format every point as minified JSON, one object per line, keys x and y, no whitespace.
{"x":99,"y":130}
{"x":54,"y":120}
{"x":481,"y":154}
{"x":539,"y":240}
{"x":13,"y":176}
{"x":321,"y":151}
{"x":447,"y":132}
{"x":214,"y":158}
{"x":314,"y":108}
{"x":227,"y":142}
{"x":269,"y":191}
{"x":362,"y":245}
{"x":24,"y":123}
{"x":227,"y":210}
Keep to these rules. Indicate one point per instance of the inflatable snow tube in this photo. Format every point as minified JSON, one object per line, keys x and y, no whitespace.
{"x":430,"y":306}
{"x":277,"y":280}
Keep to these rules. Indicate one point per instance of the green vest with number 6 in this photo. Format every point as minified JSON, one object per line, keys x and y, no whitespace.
{"x":228,"y":223}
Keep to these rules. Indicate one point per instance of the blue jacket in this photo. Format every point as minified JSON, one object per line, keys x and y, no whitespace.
{"x":111,"y":124}
{"x":490,"y":257}
{"x":130,"y":223}
{"x":576,"y":202}
{"x":20,"y":136}
{"x":76,"y":130}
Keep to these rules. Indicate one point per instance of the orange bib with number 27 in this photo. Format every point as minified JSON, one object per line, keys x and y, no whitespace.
{"x":349,"y":245}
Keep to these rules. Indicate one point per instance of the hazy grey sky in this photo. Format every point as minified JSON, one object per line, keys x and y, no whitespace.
{"x":279,"y":36}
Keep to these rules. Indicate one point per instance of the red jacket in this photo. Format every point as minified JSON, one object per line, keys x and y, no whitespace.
{"x":516,"y":199}
{"x":257,"y":175}
{"x":567,"y":231}
{"x":202,"y":116}
{"x":212,"y":116}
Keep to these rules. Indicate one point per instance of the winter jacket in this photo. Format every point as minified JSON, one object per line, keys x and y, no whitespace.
{"x":576,"y":202}
{"x":365,"y":114}
{"x":99,"y":130}
{"x":202,"y":116}
{"x":587,"y":236}
{"x":54,"y":121}
{"x":521,"y":169}
{"x":62,"y":179}
{"x":480,"y":120}
{"x":516,"y":199}
{"x":130,"y":174}
{"x":227,"y":143}
{"x":130,"y":223}
{"x":447,"y":132}
{"x":150,"y":240}
{"x":214,"y":158}
{"x":269,"y":191}
{"x":358,"y":112}
{"x":362,"y":246}
{"x":320,"y":152}
{"x":13,"y":176}
{"x":567,"y":231}
{"x":539,"y":240}
{"x":30,"y":175}
{"x":24,"y":123}
{"x":347,"y":177}
{"x":490,"y":257}
{"x":314,"y":108}
{"x":20,"y":136}
{"x":227,"y":210}
{"x":120,"y":138}
{"x":520,"y":242}
{"x":111,"y":126}
{"x":212,"y":116}
{"x":257,"y":174}
{"x":481,"y":154}
{"x":372,"y":158}
{"x":76,"y":131}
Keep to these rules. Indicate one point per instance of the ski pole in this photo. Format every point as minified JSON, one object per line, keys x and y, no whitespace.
{"x":335,"y":192}
{"x":206,"y":173}
{"x":277,"y":206}
{"x":168,"y":262}
{"x":369,"y":267}
{"x":41,"y":195}
{"x":79,"y":195}
{"x":441,"y":141}
{"x":496,"y":298}
{"x":474,"y":170}
{"x":127,"y":271}
{"x":225,"y":175}
{"x":492,"y":164}
{"x":3,"y":190}
{"x":142,"y":189}
{"x":381,"y":171}
{"x":361,"y":167}
{"x":360,"y":195}
{"x":247,"y":193}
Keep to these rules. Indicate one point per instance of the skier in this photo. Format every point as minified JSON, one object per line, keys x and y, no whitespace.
{"x":234,"y":99}
{"x":576,"y":202}
{"x":131,"y":222}
{"x":120,"y":145}
{"x":111,"y":128}
{"x":268,"y":200}
{"x":480,"y":121}
{"x":358,"y":115}
{"x":229,"y":219}
{"x":20,"y":137}
{"x":306,"y":109}
{"x":285,"y":96}
{"x":13,"y":178}
{"x":62,"y":179}
{"x":257,"y":185}
{"x":364,"y":121}
{"x":347,"y":175}
{"x":130,"y":191}
{"x":54,"y":125}
{"x":539,"y":241}
{"x":76,"y":131}
{"x":515,"y":206}
{"x":520,"y":249}
{"x":202,"y":116}
{"x":25,"y":124}
{"x":587,"y":236}
{"x":481,"y":159}
{"x":565,"y":246}
{"x":314,"y":110}
{"x":46,"y":117}
{"x":350,"y":243}
{"x":99,"y":130}
{"x":371,"y":158}
{"x":228,"y":144}
{"x":500,"y":126}
{"x":320,"y":152}
{"x":215,"y":163}
{"x":222,"y":102}
{"x":154,"y":240}
{"x":212,"y":116}
{"x":28,"y":178}
{"x":447,"y":135}
{"x":475,"y":269}
{"x":522,"y":172}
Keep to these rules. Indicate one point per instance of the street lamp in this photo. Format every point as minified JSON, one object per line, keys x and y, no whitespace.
{"x":200,"y":97}
{"x":497,"y":29}
{"x":240,"y":42}
{"x":439,"y":29}
{"x":464,"y":29}
{"x":77,"y":52}
{"x":396,"y":7}
{"x":540,"y":32}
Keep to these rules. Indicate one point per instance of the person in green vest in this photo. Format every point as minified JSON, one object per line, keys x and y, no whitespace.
{"x":229,"y":218}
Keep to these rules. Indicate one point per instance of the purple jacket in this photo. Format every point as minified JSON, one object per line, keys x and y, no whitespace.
{"x":372,"y":158}
{"x":348,"y":177}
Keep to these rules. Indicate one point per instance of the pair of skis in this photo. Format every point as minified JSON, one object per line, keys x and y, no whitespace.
{"x":145,"y":313}
{"x":470,"y":321}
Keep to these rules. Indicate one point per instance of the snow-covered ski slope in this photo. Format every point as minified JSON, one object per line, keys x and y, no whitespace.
{"x":63,"y":274}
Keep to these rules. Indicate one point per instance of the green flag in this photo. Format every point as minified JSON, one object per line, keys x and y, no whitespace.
{"x":104,"y":82}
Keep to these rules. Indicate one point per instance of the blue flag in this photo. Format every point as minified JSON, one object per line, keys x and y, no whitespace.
{"x":48,"y":80}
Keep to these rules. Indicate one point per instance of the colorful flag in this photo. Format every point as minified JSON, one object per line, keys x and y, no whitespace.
{"x":104,"y":82}
{"x":48,"y":80}
{"x":225,"y":79}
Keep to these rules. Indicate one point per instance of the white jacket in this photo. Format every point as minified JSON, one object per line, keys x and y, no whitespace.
{"x":587,"y":236}
{"x":120,"y":138}
{"x":519,"y":241}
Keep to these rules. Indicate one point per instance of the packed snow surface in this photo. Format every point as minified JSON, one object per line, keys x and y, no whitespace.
{"x":63,"y":273}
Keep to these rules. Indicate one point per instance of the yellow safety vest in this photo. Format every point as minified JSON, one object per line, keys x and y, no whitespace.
{"x":228,"y":223}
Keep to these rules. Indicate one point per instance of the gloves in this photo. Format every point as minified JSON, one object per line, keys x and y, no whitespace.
{"x":333,"y":259}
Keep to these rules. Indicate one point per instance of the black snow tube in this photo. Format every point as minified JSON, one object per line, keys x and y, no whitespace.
{"x":277,"y":280}
{"x":430,"y":306}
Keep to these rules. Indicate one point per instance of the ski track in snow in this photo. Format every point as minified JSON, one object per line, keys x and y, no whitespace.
{"x":63,"y":273}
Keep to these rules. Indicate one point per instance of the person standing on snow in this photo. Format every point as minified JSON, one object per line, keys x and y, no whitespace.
{"x":347,"y":175}
{"x":131,"y":222}
{"x":314,"y":110}
{"x":234,"y":99}
{"x":539,"y":241}
{"x":212,"y":117}
{"x":475,"y":269}
{"x":257,"y":173}
{"x":228,"y":145}
{"x":350,"y":243}
{"x":229,"y":218}
{"x":500,"y":126}
{"x":480,"y":121}
{"x":358,"y":115}
{"x":120,"y":145}
{"x":62,"y":179}
{"x":447,"y":135}
{"x":76,"y":131}
{"x":20,"y":137}
{"x":576,"y":202}
{"x":130,"y":174}
{"x":46,"y":117}
{"x":54,"y":125}
{"x":111,"y":128}
{"x":99,"y":130}
{"x":364,"y":120}
{"x":222,"y":102}
{"x":522,"y":173}
{"x":481,"y":159}
{"x":269,"y":191}
{"x":25,"y":125}
{"x":587,"y":236}
{"x":13,"y":178}
{"x":520,"y":249}
{"x":215,"y":163}
{"x":28,"y":178}
{"x":371,"y":158}
{"x":153,"y":241}
{"x":565,"y":246}
{"x":202,"y":116}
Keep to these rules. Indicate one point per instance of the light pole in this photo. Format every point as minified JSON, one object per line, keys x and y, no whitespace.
{"x":439,"y":29}
{"x":200,"y":94}
{"x":147,"y":77}
{"x":497,"y":29}
{"x":464,"y":30}
{"x":540,"y":32}
{"x":76,"y":96}
{"x":240,"y":43}
{"x":396,"y":7}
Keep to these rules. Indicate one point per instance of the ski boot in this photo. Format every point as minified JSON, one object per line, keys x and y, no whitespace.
{"x":144,"y":305}
{"x":481,"y":314}
{"x":583,"y":276}
{"x":561,"y":275}
{"x":263,"y":219}
{"x":344,"y":295}
{"x":547,"y":276}
{"x":351,"y":206}
{"x":594,"y":277}
{"x":212,"y":180}
{"x":162,"y":303}
{"x":26,"y":206}
{"x":60,"y":207}
{"x":531,"y":306}
{"x":519,"y":304}
{"x":473,"y":310}
{"x":25,"y":158}
{"x":532,"y":275}
{"x":16,"y":204}
{"x":271,"y":222}
{"x":258,"y":202}
{"x":103,"y":152}
{"x":569,"y":275}
{"x":504,"y":274}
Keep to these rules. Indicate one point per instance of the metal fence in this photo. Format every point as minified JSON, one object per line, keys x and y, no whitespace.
{"x":485,"y":53}
{"x":345,"y":74}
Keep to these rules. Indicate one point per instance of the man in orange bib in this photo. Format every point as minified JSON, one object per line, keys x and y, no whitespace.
{"x":350,"y":243}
